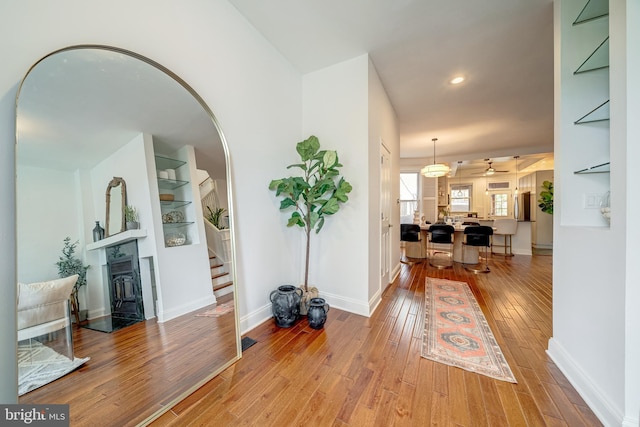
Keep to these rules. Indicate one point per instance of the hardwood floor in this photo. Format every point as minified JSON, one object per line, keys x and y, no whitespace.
{"x":362,"y":371}
{"x":136,"y":371}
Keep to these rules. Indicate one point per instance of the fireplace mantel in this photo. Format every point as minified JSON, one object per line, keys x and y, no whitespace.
{"x":116,"y":239}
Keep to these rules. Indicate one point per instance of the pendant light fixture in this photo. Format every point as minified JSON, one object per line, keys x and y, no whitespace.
{"x":459,"y":193}
{"x":436,"y":169}
{"x":516,"y":157}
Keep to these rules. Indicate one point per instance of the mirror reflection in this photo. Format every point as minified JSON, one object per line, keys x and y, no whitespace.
{"x":153,"y":324}
{"x":116,"y":200}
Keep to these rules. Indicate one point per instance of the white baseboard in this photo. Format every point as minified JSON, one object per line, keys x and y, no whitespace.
{"x":186,"y":308}
{"x":257,"y":317}
{"x":347,"y":304}
{"x":586,"y":388}
{"x":395,"y":271}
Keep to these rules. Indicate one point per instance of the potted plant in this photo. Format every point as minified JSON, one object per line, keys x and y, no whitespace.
{"x":312,"y":196}
{"x":68,"y":265}
{"x":131,"y":218}
{"x":545,"y":202}
{"x":215,"y":216}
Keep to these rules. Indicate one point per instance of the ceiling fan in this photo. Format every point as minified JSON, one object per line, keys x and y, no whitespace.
{"x":490,"y":170}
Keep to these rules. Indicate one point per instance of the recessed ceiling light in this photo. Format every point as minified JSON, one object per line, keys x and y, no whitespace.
{"x":457,"y":80}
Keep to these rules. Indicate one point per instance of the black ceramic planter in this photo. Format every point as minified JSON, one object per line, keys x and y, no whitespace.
{"x":317,"y":312}
{"x":285,"y":305}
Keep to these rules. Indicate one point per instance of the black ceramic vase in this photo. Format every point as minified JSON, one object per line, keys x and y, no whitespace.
{"x":317,"y":312}
{"x":285,"y":305}
{"x":98,"y":232}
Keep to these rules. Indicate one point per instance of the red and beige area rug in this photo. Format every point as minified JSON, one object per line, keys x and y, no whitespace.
{"x":456,"y":332}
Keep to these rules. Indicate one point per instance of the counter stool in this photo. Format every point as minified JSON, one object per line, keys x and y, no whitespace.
{"x":479,"y":236}
{"x":505,"y":227}
{"x":440,"y":234}
{"x":410,"y":234}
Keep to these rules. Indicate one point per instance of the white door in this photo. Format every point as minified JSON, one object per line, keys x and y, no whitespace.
{"x":385,"y":213}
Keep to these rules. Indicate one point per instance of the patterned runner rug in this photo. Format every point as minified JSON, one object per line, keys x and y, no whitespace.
{"x":456,"y":332}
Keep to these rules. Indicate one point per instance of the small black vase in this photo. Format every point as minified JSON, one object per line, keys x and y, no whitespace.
{"x":285,"y":305}
{"x":98,"y":232}
{"x":317,"y":312}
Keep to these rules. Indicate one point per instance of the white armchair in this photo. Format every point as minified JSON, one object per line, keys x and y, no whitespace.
{"x":43,"y":308}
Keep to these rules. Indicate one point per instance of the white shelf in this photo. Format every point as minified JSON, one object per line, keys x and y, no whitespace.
{"x":117,"y":239}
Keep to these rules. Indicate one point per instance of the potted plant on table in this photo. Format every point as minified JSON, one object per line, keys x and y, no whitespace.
{"x":312,"y":196}
{"x":68,"y":265}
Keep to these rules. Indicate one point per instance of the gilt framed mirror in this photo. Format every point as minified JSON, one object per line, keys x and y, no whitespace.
{"x":115,"y":200}
{"x":84,"y":115}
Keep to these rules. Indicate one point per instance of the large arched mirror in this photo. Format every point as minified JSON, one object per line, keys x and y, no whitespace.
{"x":84,"y":115}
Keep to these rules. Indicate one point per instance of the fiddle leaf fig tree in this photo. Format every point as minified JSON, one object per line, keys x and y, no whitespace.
{"x":545,"y":202}
{"x":316,"y":194}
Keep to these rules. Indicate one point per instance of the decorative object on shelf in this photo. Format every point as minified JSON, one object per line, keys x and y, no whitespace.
{"x":175,"y":239}
{"x":436,"y":169}
{"x":167,"y":197}
{"x":131,"y":218}
{"x":317,"y":312}
{"x":215,"y":216}
{"x":313,"y":196}
{"x":171,"y":174}
{"x":285,"y":305}
{"x":98,"y":232}
{"x":545,"y":202}
{"x":605,"y":207}
{"x":68,"y":265}
{"x":163,"y":175}
{"x":172,"y":217}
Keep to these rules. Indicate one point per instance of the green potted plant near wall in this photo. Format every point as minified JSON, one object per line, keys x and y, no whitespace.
{"x":68,"y":265}
{"x":131,"y":218}
{"x":545,"y":202}
{"x":311,"y":197}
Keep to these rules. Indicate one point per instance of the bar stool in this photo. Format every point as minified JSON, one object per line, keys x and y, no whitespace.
{"x":478,"y":236}
{"x":505,"y":227}
{"x":441,"y":234}
{"x":410,"y":234}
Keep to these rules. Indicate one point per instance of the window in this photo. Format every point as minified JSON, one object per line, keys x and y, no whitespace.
{"x":408,"y":196}
{"x":461,"y":198}
{"x":499,"y":204}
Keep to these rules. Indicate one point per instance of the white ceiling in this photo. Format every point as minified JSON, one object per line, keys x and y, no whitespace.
{"x":504,"y":107}
{"x":78,"y":106}
{"x":503,"y":48}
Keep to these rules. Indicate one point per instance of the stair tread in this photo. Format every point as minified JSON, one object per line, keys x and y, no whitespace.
{"x":217,"y":265}
{"x":215,"y":276}
{"x":222,"y":285}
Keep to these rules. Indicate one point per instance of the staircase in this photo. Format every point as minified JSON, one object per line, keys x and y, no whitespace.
{"x":218,"y":242}
{"x":220,"y":279}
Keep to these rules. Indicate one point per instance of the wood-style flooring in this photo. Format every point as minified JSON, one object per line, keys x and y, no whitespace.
{"x":361,"y":371}
{"x":139,"y":370}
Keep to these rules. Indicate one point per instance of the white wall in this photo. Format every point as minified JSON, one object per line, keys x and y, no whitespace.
{"x":255,"y":94}
{"x":347,"y":108}
{"x":383,"y":124}
{"x":335,"y":105}
{"x":630,"y":88}
{"x":595,"y":341}
{"x":47,"y":204}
